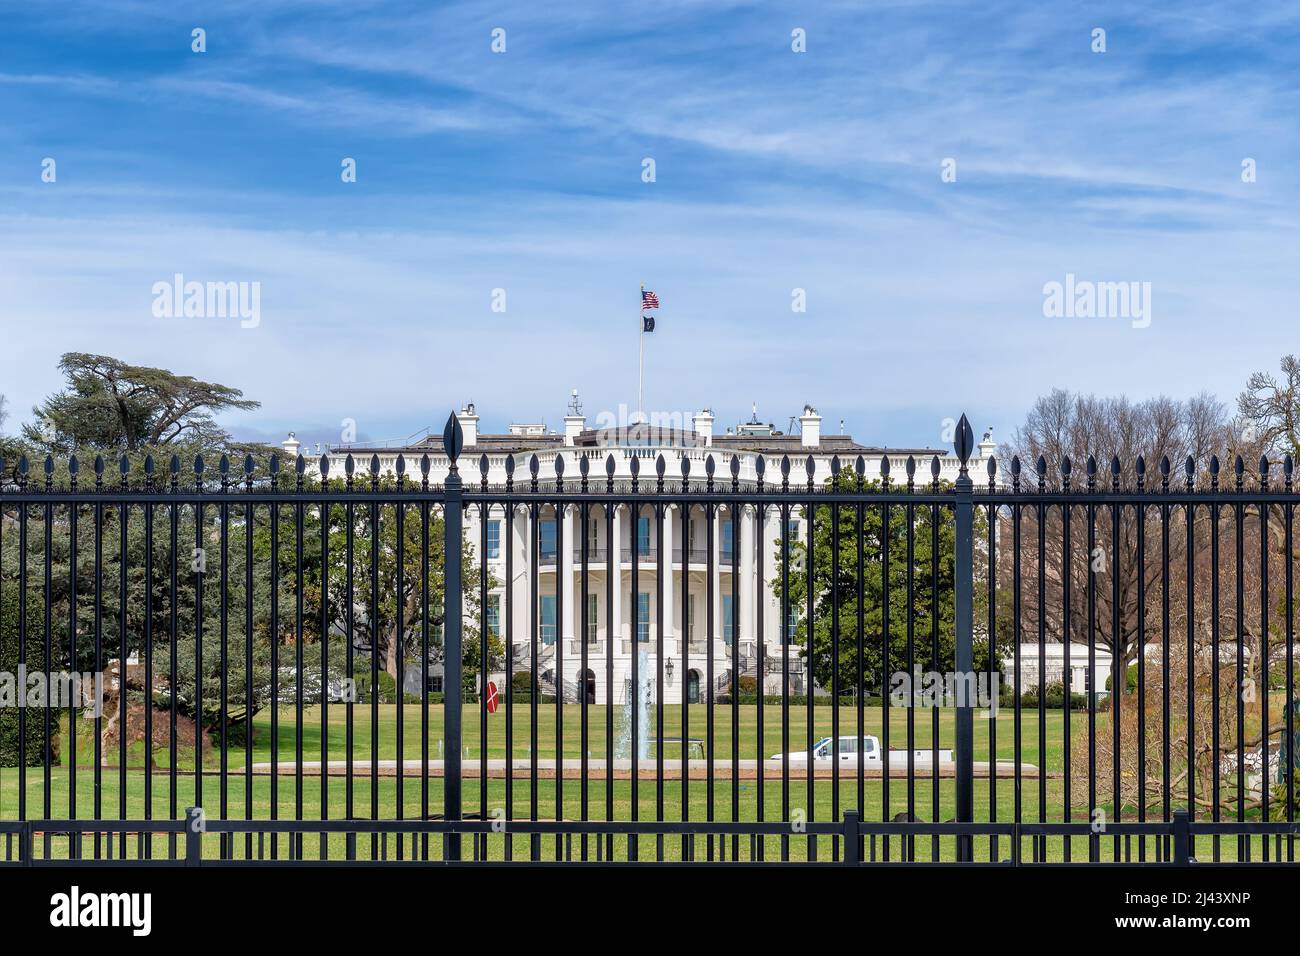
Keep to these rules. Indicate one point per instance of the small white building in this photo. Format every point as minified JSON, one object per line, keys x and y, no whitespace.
{"x":1055,"y":665}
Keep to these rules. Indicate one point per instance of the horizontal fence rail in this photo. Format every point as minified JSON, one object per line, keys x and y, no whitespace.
{"x":789,"y":662}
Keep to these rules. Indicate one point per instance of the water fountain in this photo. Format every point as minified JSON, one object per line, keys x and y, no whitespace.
{"x":635,"y":700}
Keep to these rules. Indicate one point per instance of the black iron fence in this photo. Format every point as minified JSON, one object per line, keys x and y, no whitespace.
{"x":301,"y":667}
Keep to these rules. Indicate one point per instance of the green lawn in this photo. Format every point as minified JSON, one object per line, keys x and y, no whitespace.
{"x":551,"y":799}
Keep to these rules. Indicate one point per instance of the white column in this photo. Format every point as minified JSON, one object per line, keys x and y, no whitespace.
{"x":716,"y":583}
{"x":565,"y":579}
{"x":614,"y":619}
{"x":667,"y":535}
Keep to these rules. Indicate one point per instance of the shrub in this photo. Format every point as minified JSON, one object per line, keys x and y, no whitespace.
{"x":10,"y":749}
{"x":522,"y":686}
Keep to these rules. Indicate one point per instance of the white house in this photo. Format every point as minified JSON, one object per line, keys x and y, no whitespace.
{"x":605,"y":623}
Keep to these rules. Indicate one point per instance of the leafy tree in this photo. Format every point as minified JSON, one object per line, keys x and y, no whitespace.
{"x":817,"y":647}
{"x":389,"y":621}
{"x":108,"y":404}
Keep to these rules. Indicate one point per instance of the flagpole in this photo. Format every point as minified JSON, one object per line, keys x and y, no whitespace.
{"x":640,"y":374}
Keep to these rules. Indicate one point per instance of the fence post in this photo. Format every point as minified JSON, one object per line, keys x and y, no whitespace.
{"x":964,"y":585}
{"x":193,"y":836}
{"x":852,"y":839}
{"x":452,"y":615}
{"x":1182,"y":839}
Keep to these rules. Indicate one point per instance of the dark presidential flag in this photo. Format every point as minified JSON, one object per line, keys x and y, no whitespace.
{"x":647,"y":323}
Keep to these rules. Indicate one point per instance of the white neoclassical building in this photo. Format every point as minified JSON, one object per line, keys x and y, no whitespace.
{"x":616,"y":624}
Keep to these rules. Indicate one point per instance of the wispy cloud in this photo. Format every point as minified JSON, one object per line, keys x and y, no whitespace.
{"x":776,"y":171}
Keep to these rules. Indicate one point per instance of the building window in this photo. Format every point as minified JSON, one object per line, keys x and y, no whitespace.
{"x":792,"y":529}
{"x":643,"y":535}
{"x":592,"y":618}
{"x":688,"y":611}
{"x":546,"y":534}
{"x":494,"y":615}
{"x":791,"y":624}
{"x":728,"y":619}
{"x":643,"y":616}
{"x":548,"y":618}
{"x":435,"y":683}
{"x":494,"y":539}
{"x":728,"y":541}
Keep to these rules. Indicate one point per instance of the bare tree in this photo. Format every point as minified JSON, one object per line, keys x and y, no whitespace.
{"x":1102,"y":439}
{"x":1271,"y":409}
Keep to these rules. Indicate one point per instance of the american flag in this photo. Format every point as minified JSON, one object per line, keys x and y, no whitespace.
{"x":649,"y":300}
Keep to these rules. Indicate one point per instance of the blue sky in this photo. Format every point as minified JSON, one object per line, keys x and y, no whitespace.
{"x":775,"y":171}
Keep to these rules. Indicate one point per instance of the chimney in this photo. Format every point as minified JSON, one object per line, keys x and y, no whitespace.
{"x":987,"y":445}
{"x":469,"y":424}
{"x":575,"y":421}
{"x":810,"y":427}
{"x":291,"y":446}
{"x":704,"y":426}
{"x":573,"y":427}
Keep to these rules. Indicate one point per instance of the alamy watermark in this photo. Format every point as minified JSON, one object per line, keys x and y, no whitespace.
{"x":208,"y":300}
{"x":918,"y":688}
{"x":1085,"y":299}
{"x":57,"y":689}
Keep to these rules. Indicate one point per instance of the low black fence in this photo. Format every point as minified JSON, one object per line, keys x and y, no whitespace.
{"x":303,"y":666}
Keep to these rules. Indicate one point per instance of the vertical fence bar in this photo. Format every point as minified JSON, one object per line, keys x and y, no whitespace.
{"x":1017,"y":597}
{"x":1215,"y":662}
{"x":1239,"y":517}
{"x":835,"y":651}
{"x":733,"y":515}
{"x":124,"y":512}
{"x":326,"y":512}
{"x":1288,"y":607}
{"x":349,"y":564}
{"x":809,"y":511}
{"x":1189,"y":546}
{"x":249,"y":515}
{"x":964,"y":621}
{"x":1067,"y":638}
{"x":613,"y":629}
{"x":147,"y":773}
{"x":785,"y":670}
{"x":452,"y":617}
{"x":585,"y":638}
{"x":993,"y":663}
{"x":199,"y":567}
{"x":1166,"y":758}
{"x":1118,"y":644}
{"x":1264,"y":545}
{"x":662,"y":567}
{"x":273,"y":635}
{"x":74,"y":666}
{"x":22,"y":648}
{"x":372,"y":631}
{"x":860,"y":534}
{"x":935,"y":515}
{"x":910,"y":518}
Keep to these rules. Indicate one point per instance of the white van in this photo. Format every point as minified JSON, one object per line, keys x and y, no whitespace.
{"x":847,"y":751}
{"x":825,"y":751}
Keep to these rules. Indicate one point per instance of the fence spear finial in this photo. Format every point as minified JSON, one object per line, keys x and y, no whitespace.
{"x":963,"y":442}
{"x":453,"y":440}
